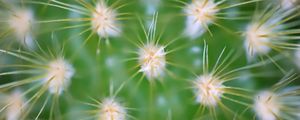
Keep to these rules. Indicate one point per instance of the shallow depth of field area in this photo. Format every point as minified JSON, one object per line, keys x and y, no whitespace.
{"x":149,"y":59}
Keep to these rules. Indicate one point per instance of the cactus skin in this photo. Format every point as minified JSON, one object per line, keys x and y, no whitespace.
{"x":159,"y":59}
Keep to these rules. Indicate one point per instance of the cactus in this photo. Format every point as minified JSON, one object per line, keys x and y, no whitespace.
{"x":149,"y":59}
